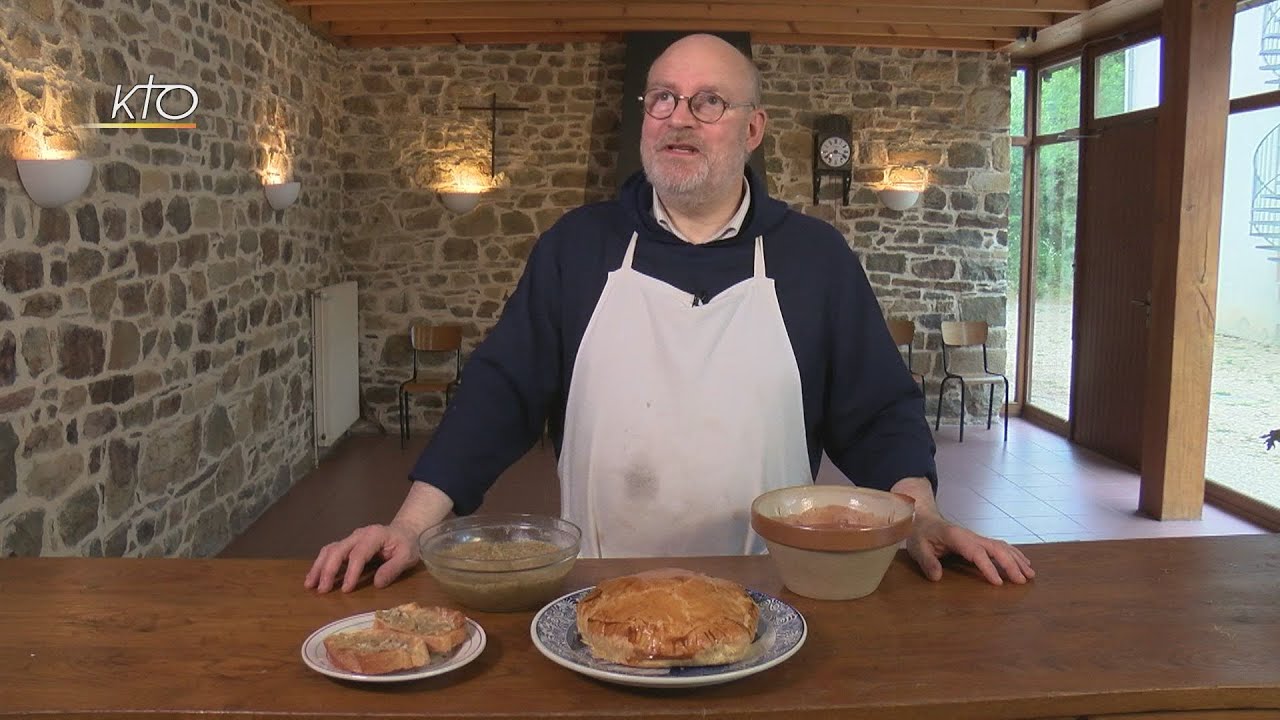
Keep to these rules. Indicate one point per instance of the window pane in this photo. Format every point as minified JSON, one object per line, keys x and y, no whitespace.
{"x":1128,"y":80}
{"x":1255,"y":51}
{"x":1018,"y":103}
{"x":1013,"y":272}
{"x":1059,"y":98}
{"x":1057,"y":171}
{"x":1245,"y":403}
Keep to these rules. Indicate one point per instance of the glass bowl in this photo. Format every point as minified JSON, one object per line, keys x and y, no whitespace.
{"x":501,"y":562}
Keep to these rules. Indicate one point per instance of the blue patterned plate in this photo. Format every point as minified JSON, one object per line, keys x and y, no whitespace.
{"x":780,"y":632}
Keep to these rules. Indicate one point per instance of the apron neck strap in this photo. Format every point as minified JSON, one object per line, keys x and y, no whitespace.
{"x":759,"y":255}
{"x":631,"y":251}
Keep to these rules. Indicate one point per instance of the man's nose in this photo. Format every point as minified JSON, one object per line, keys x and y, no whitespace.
{"x":683,"y":115}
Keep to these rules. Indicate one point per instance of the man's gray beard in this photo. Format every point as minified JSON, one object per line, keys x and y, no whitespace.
{"x":690,"y":189}
{"x":688,"y":193}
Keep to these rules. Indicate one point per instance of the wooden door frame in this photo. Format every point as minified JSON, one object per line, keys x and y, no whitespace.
{"x":1139,"y":31}
{"x":1031,"y":239}
{"x":1030,"y":105}
{"x":1091,"y":126}
{"x":1135,"y":33}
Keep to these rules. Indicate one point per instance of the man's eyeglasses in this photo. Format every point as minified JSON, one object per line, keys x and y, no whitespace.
{"x":706,"y":107}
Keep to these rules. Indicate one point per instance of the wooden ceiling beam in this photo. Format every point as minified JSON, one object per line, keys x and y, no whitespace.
{"x":431,"y":27}
{"x":391,"y":41}
{"x":451,"y":27}
{"x":372,"y":12}
{"x":998,"y":6}
{"x":872,"y":41}
{"x":307,"y":16}
{"x":678,"y":10}
{"x":508,"y":38}
{"x":1107,"y":17}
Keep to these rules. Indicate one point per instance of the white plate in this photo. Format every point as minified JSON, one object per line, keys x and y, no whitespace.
{"x":780,"y":632}
{"x":317,"y":659}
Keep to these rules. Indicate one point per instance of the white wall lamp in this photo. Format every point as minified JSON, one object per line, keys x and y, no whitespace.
{"x":902,"y":186}
{"x":459,"y":201}
{"x":462,"y":185}
{"x":282,"y":194}
{"x":898,"y":198}
{"x":54,"y":182}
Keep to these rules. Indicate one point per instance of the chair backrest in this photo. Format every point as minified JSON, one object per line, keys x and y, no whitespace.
{"x":435,"y":338}
{"x":964,"y":347}
{"x":958,"y":334}
{"x":903,"y":331}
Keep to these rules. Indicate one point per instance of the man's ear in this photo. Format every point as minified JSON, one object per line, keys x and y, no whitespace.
{"x":755,"y":129}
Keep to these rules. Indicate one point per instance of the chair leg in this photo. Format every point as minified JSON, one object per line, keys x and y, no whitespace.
{"x":937,"y":421}
{"x":962,"y":395}
{"x":1006,"y":411}
{"x":991,"y":403}
{"x":404,"y":418}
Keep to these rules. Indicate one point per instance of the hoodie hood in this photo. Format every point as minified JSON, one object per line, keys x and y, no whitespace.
{"x":764,"y":215}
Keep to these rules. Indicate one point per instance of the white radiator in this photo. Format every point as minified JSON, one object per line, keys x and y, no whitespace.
{"x":335,"y":357}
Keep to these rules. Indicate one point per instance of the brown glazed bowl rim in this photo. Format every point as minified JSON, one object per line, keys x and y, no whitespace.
{"x":841,"y":540}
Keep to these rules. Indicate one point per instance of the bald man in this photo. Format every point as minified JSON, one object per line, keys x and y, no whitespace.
{"x":691,"y":344}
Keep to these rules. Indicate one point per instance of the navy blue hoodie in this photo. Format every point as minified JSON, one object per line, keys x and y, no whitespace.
{"x":861,"y":405}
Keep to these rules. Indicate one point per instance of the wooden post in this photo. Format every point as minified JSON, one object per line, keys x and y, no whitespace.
{"x":1191,"y":153}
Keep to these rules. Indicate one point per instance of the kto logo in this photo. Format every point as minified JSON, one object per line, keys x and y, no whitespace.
{"x":184,"y":95}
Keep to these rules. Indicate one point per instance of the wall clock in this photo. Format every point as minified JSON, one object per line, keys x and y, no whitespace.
{"x":832,"y":153}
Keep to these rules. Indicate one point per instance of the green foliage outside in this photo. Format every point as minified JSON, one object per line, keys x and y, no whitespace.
{"x":1018,"y":103}
{"x":1014,"y":270}
{"x":1110,"y":99}
{"x":1058,"y":171}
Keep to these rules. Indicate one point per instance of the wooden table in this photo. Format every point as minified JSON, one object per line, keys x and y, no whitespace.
{"x":1137,"y":626}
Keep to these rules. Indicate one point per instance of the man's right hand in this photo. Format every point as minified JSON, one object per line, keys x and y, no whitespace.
{"x":395,"y":545}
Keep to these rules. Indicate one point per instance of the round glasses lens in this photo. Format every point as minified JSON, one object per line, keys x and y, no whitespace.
{"x":707,"y":107}
{"x":659,"y":103}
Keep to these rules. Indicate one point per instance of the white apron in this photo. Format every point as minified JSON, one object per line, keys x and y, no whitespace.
{"x":678,"y":416}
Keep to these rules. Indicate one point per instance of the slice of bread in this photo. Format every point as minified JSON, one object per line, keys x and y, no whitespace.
{"x":442,"y":629}
{"x":371,"y":651}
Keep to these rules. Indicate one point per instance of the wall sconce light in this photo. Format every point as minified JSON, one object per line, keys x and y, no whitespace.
{"x":282,"y":194}
{"x":898,"y":198}
{"x":902,"y":186}
{"x":459,"y":202}
{"x":461,"y":192}
{"x":54,"y":182}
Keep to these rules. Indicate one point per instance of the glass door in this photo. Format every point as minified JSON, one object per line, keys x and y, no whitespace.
{"x":1057,"y":169}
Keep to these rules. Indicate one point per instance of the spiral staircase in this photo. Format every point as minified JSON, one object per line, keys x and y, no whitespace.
{"x":1265,"y":219}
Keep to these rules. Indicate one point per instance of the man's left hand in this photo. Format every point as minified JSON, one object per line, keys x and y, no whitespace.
{"x":933,"y":538}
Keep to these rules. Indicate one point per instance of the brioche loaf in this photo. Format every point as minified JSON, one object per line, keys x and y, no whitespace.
{"x":370,"y":651}
{"x":668,"y":617}
{"x":442,"y":629}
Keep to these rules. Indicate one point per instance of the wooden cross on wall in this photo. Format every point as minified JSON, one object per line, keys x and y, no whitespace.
{"x":493,"y":109}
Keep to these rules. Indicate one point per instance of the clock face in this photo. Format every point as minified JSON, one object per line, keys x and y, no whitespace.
{"x":834,"y":151}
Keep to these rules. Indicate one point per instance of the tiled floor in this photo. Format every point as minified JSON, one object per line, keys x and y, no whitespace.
{"x":1040,"y":488}
{"x":1035,"y":488}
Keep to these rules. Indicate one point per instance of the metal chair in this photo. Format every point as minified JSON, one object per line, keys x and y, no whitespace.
{"x":430,"y":339}
{"x":957,"y":364}
{"x":904,"y":333}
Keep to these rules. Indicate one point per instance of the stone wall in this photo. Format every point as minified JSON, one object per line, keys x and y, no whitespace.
{"x":403,"y":132}
{"x":154,"y":352}
{"x":945,"y":258}
{"x":416,"y":261}
{"x":154,"y":334}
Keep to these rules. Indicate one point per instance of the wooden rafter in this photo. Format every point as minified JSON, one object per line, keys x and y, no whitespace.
{"x":982,"y":25}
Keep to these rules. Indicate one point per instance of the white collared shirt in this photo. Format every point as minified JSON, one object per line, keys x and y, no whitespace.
{"x":729,"y":230}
